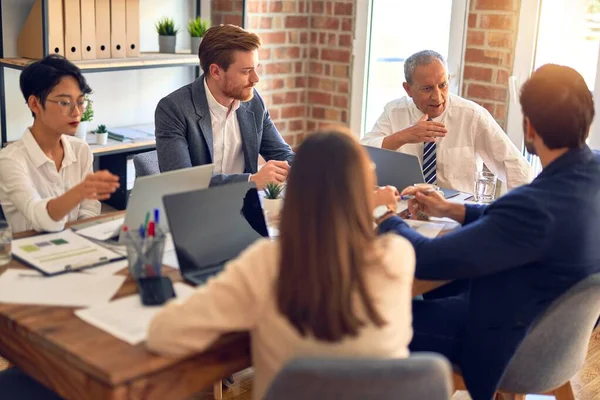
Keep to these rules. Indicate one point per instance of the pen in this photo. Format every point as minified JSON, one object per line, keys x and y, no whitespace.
{"x":146,"y":220}
{"x":412,"y":196}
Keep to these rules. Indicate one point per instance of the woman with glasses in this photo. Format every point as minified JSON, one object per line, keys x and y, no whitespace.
{"x":46,"y":177}
{"x":328,"y":286}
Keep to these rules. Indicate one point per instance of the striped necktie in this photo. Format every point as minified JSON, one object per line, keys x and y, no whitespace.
{"x":429,"y":161}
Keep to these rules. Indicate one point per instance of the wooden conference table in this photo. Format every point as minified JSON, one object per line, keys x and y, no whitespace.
{"x":79,"y":361}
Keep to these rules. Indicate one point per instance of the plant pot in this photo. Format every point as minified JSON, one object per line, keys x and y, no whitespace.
{"x":101,"y":138}
{"x":195,"y":44}
{"x":166,"y":44}
{"x":272,"y":206}
{"x":81,"y":131}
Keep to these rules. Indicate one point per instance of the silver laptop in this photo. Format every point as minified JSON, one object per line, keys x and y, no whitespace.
{"x":148,"y":191}
{"x":399,"y":170}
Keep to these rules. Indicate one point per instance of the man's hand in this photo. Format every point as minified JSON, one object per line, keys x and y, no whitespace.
{"x":422,"y":131}
{"x":387,"y":196}
{"x":98,"y":186}
{"x":433,"y":204}
{"x":272,"y":171}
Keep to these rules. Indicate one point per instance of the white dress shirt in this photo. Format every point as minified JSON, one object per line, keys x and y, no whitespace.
{"x":244,"y":297}
{"x":29,"y":180}
{"x":473,"y":138}
{"x":228,"y":155}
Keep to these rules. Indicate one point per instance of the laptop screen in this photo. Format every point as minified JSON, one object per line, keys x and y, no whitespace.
{"x":214,"y":225}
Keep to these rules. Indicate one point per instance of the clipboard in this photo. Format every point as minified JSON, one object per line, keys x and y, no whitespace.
{"x":63,"y":252}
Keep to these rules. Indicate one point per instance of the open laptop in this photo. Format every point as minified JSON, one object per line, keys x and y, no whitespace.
{"x":399,"y":170}
{"x":212,"y":226}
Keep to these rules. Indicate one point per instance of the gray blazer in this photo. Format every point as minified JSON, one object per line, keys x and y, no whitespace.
{"x":184,"y":136}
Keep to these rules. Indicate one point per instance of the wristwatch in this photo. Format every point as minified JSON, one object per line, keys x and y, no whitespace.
{"x":381,"y":210}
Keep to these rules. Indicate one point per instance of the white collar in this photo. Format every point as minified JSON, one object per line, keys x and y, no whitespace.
{"x":38,"y":157}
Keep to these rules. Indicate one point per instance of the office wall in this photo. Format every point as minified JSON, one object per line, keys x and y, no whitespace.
{"x":120,"y":98}
{"x":489,"y":56}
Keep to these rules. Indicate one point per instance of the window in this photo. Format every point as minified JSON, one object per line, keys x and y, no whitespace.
{"x":395,"y":29}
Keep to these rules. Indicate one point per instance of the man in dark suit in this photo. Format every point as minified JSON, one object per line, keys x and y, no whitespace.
{"x":220,"y":118}
{"x":519,"y":253}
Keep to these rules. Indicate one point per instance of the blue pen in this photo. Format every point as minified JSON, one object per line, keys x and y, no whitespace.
{"x":156,"y":216}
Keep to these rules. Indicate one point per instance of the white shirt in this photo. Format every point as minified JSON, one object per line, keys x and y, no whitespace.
{"x":228,"y":155}
{"x":243,"y":297}
{"x":29,"y":180}
{"x":473,"y":138}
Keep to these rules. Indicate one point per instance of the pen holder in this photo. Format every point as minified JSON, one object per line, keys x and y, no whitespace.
{"x":144,"y":254}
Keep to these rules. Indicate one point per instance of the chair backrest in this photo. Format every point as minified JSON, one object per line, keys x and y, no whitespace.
{"x":556,"y":347}
{"x":146,"y":164}
{"x":423,"y":376}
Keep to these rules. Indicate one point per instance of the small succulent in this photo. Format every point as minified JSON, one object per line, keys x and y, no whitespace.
{"x":88,"y":113}
{"x":273,"y":190}
{"x":101,"y":129}
{"x":166,"y":27}
{"x":197,"y":27}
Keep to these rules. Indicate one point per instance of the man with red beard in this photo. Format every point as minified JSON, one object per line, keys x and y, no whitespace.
{"x":220,"y":118}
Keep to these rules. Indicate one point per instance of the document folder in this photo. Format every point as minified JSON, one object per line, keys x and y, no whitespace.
{"x":29,"y":41}
{"x":132,"y":26}
{"x":88,"y":29}
{"x":102,"y":28}
{"x":118,"y":31}
{"x":72,"y":20}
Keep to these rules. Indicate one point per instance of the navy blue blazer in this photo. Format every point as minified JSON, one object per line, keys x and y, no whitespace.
{"x":520,"y":253}
{"x":184,"y":136}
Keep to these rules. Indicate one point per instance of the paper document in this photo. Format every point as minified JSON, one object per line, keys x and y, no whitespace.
{"x":59,"y":252}
{"x":103,"y":231}
{"x":169,"y":254}
{"x":23,"y":286}
{"x":108,"y":269}
{"x":427,"y":229}
{"x":127,"y":319}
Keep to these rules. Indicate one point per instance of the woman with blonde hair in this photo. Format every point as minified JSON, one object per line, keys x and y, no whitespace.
{"x":328,"y":286}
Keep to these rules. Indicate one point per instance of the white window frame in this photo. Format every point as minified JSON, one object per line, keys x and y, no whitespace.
{"x":523,"y":68}
{"x":456,"y":55}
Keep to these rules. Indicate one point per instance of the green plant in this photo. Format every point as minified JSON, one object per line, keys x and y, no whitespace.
{"x":197,"y":27}
{"x":88,"y":113}
{"x":101,"y":129}
{"x":273,"y":190}
{"x":166,"y":27}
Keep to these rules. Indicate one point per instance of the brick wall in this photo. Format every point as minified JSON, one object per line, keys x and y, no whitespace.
{"x":489,"y":55}
{"x":226,"y":12}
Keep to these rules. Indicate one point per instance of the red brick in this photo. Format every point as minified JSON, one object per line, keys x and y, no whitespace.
{"x":340,"y":101}
{"x":332,"y":39}
{"x":347,"y":25}
{"x":299,"y":139}
{"x":238,"y":6}
{"x":266,"y":23}
{"x":500,"y":113}
{"x":222,"y":6}
{"x":264,"y":54}
{"x":344,"y":116}
{"x":472,"y":20}
{"x":300,"y":82}
{"x":500,"y":39}
{"x":502,"y":77}
{"x":293,"y":112}
{"x":478,"y":73}
{"x":327,"y":69}
{"x":272,"y":38}
{"x":303,"y":37}
{"x":298,"y":67}
{"x":275,"y":6}
{"x":294,"y":21}
{"x":325,"y":23}
{"x":335,"y":55}
{"x":486,"y":92}
{"x":311,"y":125}
{"x":318,"y":7}
{"x":326,"y":85}
{"x":496,"y":5}
{"x":319,"y":98}
{"x":475,"y":38}
{"x":495,"y":21}
{"x":341,"y":71}
{"x":315,"y":67}
{"x":278,"y":68}
{"x":274,"y":113}
{"x":254,"y":22}
{"x":301,"y":6}
{"x":343,"y":9}
{"x":253,"y":6}
{"x":491,"y":57}
{"x":287,"y":53}
{"x":296,"y":125}
{"x":333,"y":115}
{"x":318,"y":112}
{"x":289,"y":139}
{"x":232,"y":19}
{"x":488,"y":106}
{"x":285,"y":98}
{"x":289,"y":7}
{"x":343,"y":87}
{"x":314,"y":82}
{"x":345,"y":41}
{"x":328,"y":8}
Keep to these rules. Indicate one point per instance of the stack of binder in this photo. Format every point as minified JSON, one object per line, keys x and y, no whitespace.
{"x":135,"y":133}
{"x":83,"y":29}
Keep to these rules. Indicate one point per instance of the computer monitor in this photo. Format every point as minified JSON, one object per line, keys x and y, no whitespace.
{"x":212,"y":226}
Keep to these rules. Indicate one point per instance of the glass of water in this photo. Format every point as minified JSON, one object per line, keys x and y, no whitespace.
{"x":485,"y":187}
{"x":5,"y":241}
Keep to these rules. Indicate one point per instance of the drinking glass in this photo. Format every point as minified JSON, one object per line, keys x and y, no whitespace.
{"x":5,"y":241}
{"x":485,"y":187}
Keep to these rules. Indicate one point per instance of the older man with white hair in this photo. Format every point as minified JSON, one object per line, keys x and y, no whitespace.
{"x":452,"y":137}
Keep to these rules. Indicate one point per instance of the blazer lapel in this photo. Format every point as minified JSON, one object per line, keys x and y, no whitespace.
{"x":202,"y":110}
{"x":249,"y":135}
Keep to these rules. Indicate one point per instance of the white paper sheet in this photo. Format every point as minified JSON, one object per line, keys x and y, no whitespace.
{"x":76,"y":289}
{"x":127,"y":319}
{"x":103,"y":231}
{"x":427,"y":229}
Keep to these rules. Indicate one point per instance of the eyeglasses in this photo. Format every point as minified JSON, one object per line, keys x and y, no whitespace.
{"x":68,"y":106}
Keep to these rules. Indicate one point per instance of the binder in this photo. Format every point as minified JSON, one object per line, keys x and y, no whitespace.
{"x":72,"y":23}
{"x":132,"y":27}
{"x":29,"y":41}
{"x":88,"y":29}
{"x":102,"y":28}
{"x":118,"y":32}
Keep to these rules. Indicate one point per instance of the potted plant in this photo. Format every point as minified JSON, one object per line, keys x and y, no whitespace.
{"x":165,"y":27}
{"x":196,"y":28}
{"x":101,"y":134}
{"x":86,"y":117}
{"x":272,"y":200}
